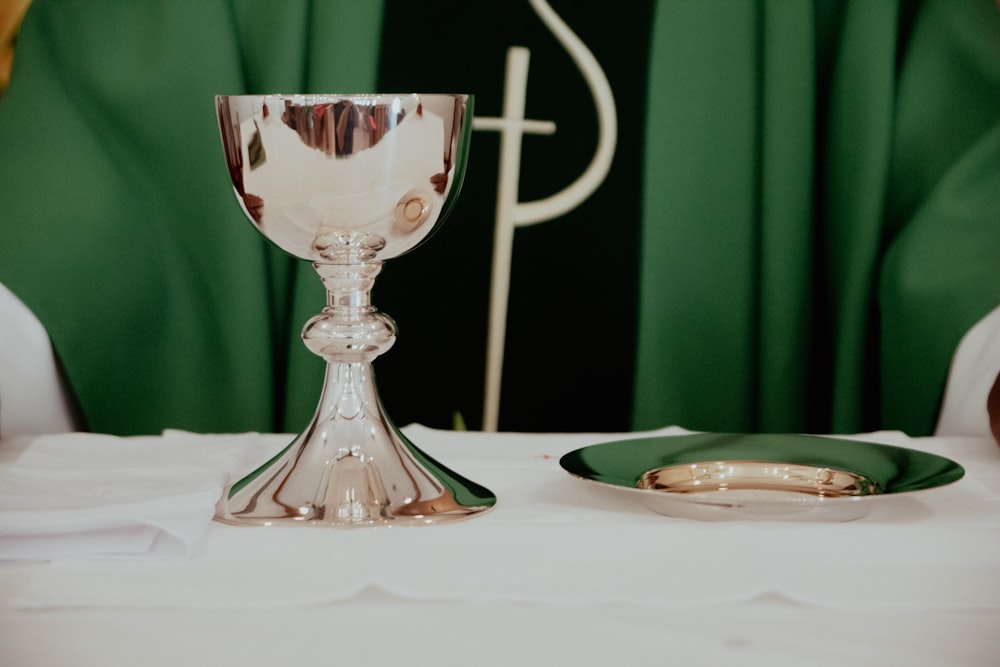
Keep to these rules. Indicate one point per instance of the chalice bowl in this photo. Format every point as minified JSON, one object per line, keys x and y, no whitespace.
{"x":347,"y":182}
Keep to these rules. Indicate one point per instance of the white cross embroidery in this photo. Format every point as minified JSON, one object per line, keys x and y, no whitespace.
{"x":510,"y":212}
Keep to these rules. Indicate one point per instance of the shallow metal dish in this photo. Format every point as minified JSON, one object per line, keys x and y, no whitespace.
{"x":760,"y":476}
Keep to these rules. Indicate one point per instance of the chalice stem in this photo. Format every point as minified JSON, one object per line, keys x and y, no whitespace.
{"x":351,"y":465}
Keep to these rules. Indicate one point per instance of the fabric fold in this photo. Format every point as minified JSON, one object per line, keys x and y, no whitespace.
{"x":92,"y":495}
{"x":555,"y":539}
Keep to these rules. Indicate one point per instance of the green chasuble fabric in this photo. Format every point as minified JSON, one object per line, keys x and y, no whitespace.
{"x":821,"y":211}
{"x":119,"y":228}
{"x":800,"y":220}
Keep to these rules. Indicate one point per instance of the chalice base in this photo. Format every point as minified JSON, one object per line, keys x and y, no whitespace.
{"x":351,"y":467}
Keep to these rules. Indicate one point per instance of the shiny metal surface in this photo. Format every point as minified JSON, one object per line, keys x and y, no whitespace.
{"x":346,"y":178}
{"x":347,"y":182}
{"x":757,"y":476}
{"x":760,"y":476}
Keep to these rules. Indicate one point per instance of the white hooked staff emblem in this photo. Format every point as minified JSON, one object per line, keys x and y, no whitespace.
{"x":511,"y":213}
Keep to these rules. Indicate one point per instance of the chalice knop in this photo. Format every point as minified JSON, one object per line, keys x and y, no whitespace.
{"x":347,"y":182}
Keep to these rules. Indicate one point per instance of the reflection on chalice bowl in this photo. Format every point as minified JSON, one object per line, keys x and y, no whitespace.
{"x":347,"y":182}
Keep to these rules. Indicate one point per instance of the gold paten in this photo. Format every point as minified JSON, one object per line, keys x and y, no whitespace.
{"x":763,"y":476}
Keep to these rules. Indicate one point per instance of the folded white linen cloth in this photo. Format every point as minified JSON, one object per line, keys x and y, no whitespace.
{"x":555,"y":539}
{"x":94,"y":495}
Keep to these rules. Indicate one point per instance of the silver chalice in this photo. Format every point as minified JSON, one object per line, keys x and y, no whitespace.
{"x":347,"y":182}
